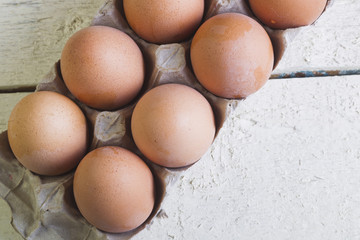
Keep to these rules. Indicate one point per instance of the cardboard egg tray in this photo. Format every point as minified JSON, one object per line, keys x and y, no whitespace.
{"x":45,"y":206}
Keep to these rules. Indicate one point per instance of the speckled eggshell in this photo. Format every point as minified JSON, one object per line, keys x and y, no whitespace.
{"x":102,"y":67}
{"x":162,"y":21}
{"x":282,"y":14}
{"x":232,"y":55}
{"x":173,"y":125}
{"x":114,"y":189}
{"x":47,"y":133}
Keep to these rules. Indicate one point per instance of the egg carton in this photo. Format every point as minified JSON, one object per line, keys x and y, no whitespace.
{"x":44,"y":207}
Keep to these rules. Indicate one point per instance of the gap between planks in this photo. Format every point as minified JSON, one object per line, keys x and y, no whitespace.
{"x":298,"y":74}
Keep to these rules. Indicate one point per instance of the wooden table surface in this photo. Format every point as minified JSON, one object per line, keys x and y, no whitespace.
{"x":308,"y":128}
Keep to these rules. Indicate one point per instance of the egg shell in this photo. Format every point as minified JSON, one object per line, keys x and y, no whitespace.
{"x":161,"y":21}
{"x":232,"y":55}
{"x":102,"y":67}
{"x":173,"y":125}
{"x":47,"y":133}
{"x":282,"y":14}
{"x":114,"y":189}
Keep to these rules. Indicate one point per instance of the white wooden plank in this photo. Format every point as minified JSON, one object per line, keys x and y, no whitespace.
{"x":285,"y":166}
{"x":33,"y":33}
{"x":333,"y":43}
{"x":7,"y":103}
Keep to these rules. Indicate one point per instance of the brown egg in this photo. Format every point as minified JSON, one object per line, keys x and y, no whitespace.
{"x":114,"y":189}
{"x":47,"y":133}
{"x":282,"y":14}
{"x":173,"y":125}
{"x":232,"y":55}
{"x":102,"y":67}
{"x":161,"y":21}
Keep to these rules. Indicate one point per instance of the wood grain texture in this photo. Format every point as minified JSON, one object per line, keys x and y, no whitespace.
{"x":285,"y":165}
{"x":33,"y":33}
{"x":331,"y":44}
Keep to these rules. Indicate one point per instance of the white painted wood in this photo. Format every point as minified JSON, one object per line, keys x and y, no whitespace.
{"x":33,"y":33}
{"x":333,"y":43}
{"x":285,"y":166}
{"x":7,"y":103}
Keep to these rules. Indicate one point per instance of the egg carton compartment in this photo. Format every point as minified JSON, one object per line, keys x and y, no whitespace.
{"x":45,"y":206}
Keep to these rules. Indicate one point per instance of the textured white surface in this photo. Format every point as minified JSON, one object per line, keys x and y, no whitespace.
{"x":285,"y":166}
{"x":33,"y":33}
{"x":286,"y":163}
{"x":332,"y":43}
